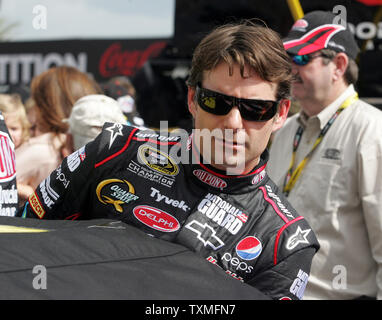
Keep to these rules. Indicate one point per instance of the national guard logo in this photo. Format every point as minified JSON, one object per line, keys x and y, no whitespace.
{"x":158,"y":160}
{"x":116,"y":192}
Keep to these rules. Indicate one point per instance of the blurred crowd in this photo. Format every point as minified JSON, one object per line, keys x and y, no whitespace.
{"x":61,"y":110}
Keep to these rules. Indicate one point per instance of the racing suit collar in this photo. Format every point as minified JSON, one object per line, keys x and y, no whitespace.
{"x":213,"y":178}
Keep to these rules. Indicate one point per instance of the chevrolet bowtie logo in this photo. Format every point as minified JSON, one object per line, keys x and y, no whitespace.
{"x":206,"y":234}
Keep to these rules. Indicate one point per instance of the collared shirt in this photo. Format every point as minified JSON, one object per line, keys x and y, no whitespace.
{"x":340,"y":194}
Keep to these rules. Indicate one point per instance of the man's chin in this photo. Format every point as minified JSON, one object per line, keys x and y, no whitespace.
{"x":232,"y":166}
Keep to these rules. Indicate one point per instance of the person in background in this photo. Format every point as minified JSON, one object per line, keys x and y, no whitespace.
{"x":15,"y":118}
{"x":19,"y":128}
{"x":53,"y":94}
{"x":328,"y":160}
{"x":121,"y":89}
{"x":88,"y":116}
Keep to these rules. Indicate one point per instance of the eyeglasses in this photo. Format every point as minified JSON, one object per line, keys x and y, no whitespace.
{"x":302,"y":60}
{"x":221,"y":104}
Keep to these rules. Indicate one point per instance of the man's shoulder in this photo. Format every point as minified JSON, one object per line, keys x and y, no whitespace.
{"x":115,"y":139}
{"x":366,"y":120}
{"x":116,"y":133}
{"x":368,"y":111}
{"x":293,"y":232}
{"x":279,"y":204}
{"x":289,"y":128}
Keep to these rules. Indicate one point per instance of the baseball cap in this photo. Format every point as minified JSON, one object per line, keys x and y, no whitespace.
{"x":317,"y":30}
{"x":89,"y":114}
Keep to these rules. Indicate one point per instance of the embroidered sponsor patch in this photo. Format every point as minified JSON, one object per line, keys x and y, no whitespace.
{"x":209,"y":179}
{"x":116,"y":192}
{"x":156,"y":218}
{"x":332,"y":153}
{"x":299,"y":237}
{"x":36,"y":206}
{"x":158,"y":160}
{"x":222,"y":212}
{"x":249,"y":248}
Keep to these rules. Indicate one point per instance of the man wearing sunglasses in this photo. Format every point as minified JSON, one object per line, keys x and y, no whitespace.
{"x":218,"y":201}
{"x":328,"y":160}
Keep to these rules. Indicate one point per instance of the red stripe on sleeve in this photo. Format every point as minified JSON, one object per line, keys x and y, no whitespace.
{"x":118,"y":152}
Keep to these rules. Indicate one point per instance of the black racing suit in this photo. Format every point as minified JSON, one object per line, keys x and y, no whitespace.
{"x":241,"y":224}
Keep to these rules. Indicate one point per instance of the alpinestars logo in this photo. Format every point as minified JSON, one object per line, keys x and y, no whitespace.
{"x":206,"y":234}
{"x":300,"y":236}
{"x":115,"y":130}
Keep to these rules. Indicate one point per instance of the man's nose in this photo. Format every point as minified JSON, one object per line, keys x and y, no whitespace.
{"x":233,"y":119}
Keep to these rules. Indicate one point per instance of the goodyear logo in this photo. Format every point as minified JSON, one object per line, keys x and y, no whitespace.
{"x":116,"y":192}
{"x":36,"y":205}
{"x":158,"y":161}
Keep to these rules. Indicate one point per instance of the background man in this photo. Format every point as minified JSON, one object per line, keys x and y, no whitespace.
{"x":328,"y":160}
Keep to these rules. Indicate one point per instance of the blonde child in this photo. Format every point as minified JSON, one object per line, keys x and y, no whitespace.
{"x":15,"y":118}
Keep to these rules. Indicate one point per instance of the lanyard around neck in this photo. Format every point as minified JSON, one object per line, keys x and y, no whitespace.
{"x":292,"y":176}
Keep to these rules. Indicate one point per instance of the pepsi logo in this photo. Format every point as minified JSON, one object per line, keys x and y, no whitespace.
{"x":209,"y":179}
{"x":156,"y":218}
{"x":249,"y":248}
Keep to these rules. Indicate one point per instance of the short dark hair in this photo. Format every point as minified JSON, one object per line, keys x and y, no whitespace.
{"x":245,"y":44}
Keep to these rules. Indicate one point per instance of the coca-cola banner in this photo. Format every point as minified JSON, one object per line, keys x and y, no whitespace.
{"x":21,"y":61}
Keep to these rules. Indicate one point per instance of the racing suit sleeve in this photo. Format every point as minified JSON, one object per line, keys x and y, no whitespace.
{"x":65,"y":192}
{"x":288,"y":278}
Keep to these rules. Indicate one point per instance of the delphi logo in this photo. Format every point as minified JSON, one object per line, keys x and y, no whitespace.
{"x":156,"y":218}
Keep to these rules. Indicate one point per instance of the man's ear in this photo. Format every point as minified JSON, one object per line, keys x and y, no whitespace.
{"x":191,"y":101}
{"x":281,"y":115}
{"x":341,"y":62}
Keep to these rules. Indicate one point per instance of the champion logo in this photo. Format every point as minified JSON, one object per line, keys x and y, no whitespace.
{"x":249,"y":248}
{"x":209,"y":179}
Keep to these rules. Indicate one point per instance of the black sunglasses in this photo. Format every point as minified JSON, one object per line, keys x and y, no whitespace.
{"x":221,"y":104}
{"x":302,"y":60}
